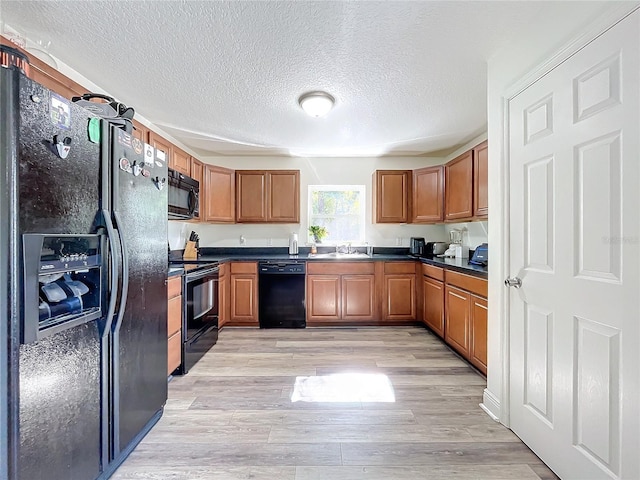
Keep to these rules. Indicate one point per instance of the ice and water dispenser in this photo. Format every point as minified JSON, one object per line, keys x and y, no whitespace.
{"x":63,"y":283}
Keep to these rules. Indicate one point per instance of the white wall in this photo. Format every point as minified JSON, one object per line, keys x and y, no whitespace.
{"x":313,"y":171}
{"x":542,"y":45}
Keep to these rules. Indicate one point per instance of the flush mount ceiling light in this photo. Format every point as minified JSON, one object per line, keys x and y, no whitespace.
{"x":316,"y":104}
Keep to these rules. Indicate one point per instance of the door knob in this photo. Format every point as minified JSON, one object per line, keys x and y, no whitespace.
{"x":514,"y":282}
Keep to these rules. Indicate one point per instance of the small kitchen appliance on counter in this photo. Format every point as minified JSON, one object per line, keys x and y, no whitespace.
{"x":416,"y":246}
{"x":434,"y":248}
{"x":481,"y":255}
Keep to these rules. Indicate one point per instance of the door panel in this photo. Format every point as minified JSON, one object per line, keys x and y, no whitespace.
{"x":574,"y":329}
{"x":323,"y":297}
{"x":358,"y":295}
{"x":457,"y":313}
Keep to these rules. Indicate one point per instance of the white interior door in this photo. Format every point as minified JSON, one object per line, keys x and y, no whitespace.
{"x":574,"y":241}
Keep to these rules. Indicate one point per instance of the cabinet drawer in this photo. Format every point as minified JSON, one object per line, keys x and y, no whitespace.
{"x":174,"y":315}
{"x":174,"y":357}
{"x":433,"y":272}
{"x":399,"y":267}
{"x":244,"y":267}
{"x":467,"y":282}
{"x":174,"y":287}
{"x":340,"y":268}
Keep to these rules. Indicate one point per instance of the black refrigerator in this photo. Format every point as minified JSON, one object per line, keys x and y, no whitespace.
{"x":83,"y":246}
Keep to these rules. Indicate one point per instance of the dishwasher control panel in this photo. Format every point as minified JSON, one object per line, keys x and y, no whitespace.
{"x":287,"y":268}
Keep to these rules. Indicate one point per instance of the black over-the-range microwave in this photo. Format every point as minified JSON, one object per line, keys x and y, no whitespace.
{"x":184,"y":196}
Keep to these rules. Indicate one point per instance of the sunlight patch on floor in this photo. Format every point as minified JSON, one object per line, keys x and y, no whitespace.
{"x":344,"y":387}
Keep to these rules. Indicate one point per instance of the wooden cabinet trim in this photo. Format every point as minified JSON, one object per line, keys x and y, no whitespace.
{"x":340,"y":268}
{"x":478,"y":343}
{"x":399,"y":267}
{"x":433,"y":271}
{"x":476,"y":285}
{"x":250,"y":268}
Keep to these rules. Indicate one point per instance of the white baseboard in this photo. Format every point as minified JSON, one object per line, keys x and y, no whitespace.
{"x":491,"y":405}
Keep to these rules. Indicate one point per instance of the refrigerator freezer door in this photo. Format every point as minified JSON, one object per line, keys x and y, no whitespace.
{"x":140,"y":337}
{"x":59,"y":376}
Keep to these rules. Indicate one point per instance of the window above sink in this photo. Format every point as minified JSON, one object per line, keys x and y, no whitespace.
{"x":341,"y":210}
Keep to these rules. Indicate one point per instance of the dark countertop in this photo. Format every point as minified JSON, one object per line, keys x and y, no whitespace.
{"x":210,"y":255}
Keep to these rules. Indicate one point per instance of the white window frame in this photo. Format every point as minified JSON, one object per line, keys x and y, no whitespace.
{"x":337,"y":188}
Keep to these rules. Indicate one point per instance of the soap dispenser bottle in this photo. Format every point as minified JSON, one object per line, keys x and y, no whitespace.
{"x":293,"y":244}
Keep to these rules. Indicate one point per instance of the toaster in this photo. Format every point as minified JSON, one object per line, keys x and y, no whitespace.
{"x":434,"y":248}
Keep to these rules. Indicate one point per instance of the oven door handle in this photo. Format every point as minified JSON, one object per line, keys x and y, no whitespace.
{"x":125,"y":272}
{"x":111,"y":237}
{"x":191,"y":277}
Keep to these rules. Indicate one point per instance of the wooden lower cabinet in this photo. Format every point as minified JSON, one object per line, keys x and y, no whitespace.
{"x":466,"y":317}
{"x":433,"y":305}
{"x":224,"y":295}
{"x":174,"y":323}
{"x":478,"y":345}
{"x":457,"y":319}
{"x":358,"y":297}
{"x":323,"y":297}
{"x":399,"y":297}
{"x":244,"y":293}
{"x":341,"y":292}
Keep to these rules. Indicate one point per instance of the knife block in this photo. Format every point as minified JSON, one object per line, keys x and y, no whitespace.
{"x":190,"y":251}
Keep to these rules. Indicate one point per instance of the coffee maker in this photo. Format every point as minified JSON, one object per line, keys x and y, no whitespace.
{"x":416,"y":246}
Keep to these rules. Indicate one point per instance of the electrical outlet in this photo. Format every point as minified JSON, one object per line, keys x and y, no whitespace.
{"x":269,"y":242}
{"x":398,"y":241}
{"x":242,"y":240}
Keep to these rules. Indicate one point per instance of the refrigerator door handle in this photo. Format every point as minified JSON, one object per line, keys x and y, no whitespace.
{"x":111,"y":235}
{"x":125,"y":272}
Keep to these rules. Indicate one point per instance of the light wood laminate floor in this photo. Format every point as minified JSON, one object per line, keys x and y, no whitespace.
{"x":232,"y":417}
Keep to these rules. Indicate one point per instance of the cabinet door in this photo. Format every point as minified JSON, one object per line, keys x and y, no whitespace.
{"x":224,"y":296}
{"x":284,"y":196}
{"x":399,"y":297}
{"x":478,"y":350}
{"x":480,"y":180}
{"x":459,"y":187}
{"x":428,"y":195}
{"x":219,"y":195}
{"x":197,"y":173}
{"x":140,"y":132}
{"x":251,"y":190}
{"x":433,"y":305}
{"x":244,"y":299}
{"x":457,"y":321}
{"x":174,"y":352}
{"x":391,"y":191}
{"x":323,"y":297}
{"x":358,"y":297}
{"x":163,"y":147}
{"x":181,"y":161}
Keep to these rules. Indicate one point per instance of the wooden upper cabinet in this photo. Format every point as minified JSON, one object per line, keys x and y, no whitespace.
{"x":428,"y":195}
{"x":268,"y":196}
{"x":481,"y":180}
{"x":391,"y":193}
{"x":140,"y":132}
{"x":181,"y":161}
{"x":162,"y":145}
{"x":197,"y":173}
{"x":458,"y":188}
{"x":283,"y":200}
{"x":219,"y":199}
{"x":251,"y":194}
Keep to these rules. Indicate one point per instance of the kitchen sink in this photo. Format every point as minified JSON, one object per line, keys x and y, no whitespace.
{"x":339,"y":255}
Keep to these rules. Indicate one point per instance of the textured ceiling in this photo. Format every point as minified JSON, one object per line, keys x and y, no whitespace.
{"x":224,"y":77}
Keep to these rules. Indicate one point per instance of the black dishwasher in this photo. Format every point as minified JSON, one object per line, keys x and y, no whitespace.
{"x":281,"y":286}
